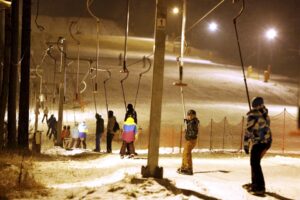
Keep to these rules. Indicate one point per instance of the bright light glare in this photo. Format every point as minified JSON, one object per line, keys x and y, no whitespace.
{"x":271,"y":34}
{"x":213,"y":26}
{"x":175,"y":10}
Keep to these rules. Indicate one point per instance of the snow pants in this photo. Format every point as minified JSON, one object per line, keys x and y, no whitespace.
{"x":123,"y":148}
{"x":187,"y":163}
{"x":257,"y":153}
{"x":109,"y":138}
{"x":98,"y":137}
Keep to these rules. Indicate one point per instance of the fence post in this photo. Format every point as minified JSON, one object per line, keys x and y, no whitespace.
{"x":210,"y":138}
{"x":242,"y":134}
{"x":224,"y":129}
{"x":283,"y":133}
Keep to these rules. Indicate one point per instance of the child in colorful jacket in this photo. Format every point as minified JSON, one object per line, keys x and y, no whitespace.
{"x":128,"y":136}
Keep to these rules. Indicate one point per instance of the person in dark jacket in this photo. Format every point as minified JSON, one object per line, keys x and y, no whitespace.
{"x":258,"y":132}
{"x":99,"y":131}
{"x":130,"y":112}
{"x":111,"y":124}
{"x":191,"y":134}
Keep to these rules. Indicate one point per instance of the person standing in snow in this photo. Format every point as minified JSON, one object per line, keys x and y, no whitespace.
{"x":128,"y":136}
{"x":75,"y":137}
{"x":83,"y":130}
{"x":131,"y":113}
{"x":259,"y":133}
{"x":99,"y":131}
{"x":46,"y":111}
{"x":191,"y":134}
{"x":112,"y":127}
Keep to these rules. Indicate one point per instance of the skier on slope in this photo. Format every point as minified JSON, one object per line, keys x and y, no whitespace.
{"x":259,"y":133}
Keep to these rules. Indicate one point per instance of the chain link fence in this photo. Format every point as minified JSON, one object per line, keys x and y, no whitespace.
{"x":223,"y":135}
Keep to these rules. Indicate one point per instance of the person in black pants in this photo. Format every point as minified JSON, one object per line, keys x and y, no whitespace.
{"x":99,"y":131}
{"x":111,"y":129}
{"x":131,"y":113}
{"x":259,"y":132}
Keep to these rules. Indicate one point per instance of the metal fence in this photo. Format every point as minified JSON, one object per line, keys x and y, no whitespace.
{"x":223,"y":135}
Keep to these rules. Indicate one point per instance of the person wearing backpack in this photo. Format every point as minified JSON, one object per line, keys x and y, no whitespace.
{"x":112,"y":127}
{"x":258,"y":132}
{"x":191,"y":133}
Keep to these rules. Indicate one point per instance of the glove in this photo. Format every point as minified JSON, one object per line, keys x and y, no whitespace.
{"x":246,"y":149}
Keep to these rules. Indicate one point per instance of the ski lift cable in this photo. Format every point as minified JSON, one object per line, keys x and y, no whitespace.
{"x":40,"y":27}
{"x":54,"y":75}
{"x":38,"y":66}
{"x":180,"y":61}
{"x":240,"y":51}
{"x":105,"y":92}
{"x":125,"y":70}
{"x":140,"y":77}
{"x":204,"y":16}
{"x":88,"y":4}
{"x":78,"y":55}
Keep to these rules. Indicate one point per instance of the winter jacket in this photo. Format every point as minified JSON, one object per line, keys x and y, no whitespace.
{"x":99,"y":125}
{"x":83,"y":130}
{"x":129,"y":130}
{"x":75,"y":133}
{"x":110,"y":124}
{"x":131,"y":113}
{"x":258,"y":127}
{"x":191,"y":131}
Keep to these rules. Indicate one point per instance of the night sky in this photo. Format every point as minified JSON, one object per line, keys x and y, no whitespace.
{"x":283,"y":53}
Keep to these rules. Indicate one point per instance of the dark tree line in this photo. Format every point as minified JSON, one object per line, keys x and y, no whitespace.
{"x":9,"y":80}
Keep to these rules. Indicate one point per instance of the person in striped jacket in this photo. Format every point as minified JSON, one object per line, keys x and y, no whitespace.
{"x":128,"y":136}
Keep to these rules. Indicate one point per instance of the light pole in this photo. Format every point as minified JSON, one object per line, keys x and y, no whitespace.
{"x":271,"y":34}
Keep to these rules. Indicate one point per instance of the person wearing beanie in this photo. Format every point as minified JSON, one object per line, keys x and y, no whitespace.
{"x":258,"y":132}
{"x":191,"y":134}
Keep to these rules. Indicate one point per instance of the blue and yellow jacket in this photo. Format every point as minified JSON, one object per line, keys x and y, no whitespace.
{"x":258,"y":127}
{"x":129,"y":130}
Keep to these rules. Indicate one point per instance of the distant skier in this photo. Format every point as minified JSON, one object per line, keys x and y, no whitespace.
{"x":99,"y":131}
{"x":45,"y":116}
{"x":128,"y":136}
{"x":52,"y":124}
{"x":191,"y":134}
{"x":83,"y":130}
{"x":259,"y":133}
{"x":75,"y":137}
{"x":112,"y":127}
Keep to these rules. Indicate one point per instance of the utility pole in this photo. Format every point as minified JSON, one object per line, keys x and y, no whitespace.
{"x":13,"y":79}
{"x":299,"y":100}
{"x":25,"y":77}
{"x":152,"y":169}
{"x":2,"y":17}
{"x":61,"y":91}
{"x":6,"y":66}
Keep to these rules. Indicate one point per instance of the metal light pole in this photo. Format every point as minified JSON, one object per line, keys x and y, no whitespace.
{"x":152,"y":169}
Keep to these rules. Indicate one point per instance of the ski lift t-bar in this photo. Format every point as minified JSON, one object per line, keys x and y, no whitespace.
{"x":239,"y":48}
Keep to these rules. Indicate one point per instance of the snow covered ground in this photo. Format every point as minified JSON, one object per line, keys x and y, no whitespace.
{"x":61,"y":174}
